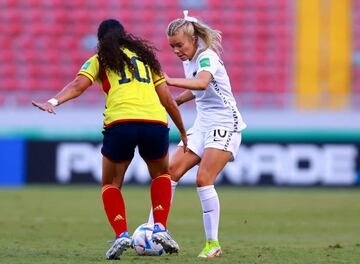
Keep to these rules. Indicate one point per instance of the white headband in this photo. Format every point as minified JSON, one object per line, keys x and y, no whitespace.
{"x":189,"y":18}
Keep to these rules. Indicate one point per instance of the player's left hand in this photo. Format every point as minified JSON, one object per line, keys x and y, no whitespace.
{"x":44,"y":107}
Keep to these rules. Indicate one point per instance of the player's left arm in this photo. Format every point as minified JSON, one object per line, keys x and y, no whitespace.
{"x":72,"y":90}
{"x":172,"y":109}
{"x":201,"y":82}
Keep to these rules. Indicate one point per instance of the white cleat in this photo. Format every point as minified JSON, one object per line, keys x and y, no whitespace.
{"x":163,"y":237}
{"x":120,"y":244}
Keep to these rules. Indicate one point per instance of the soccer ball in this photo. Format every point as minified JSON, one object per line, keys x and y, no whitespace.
{"x":142,"y":243}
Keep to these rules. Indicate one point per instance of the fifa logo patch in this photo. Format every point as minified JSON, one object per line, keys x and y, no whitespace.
{"x":86,"y":65}
{"x":205,"y":62}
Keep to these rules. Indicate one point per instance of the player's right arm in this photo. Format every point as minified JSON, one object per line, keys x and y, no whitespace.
{"x":72,"y":90}
{"x":184,"y":97}
{"x":84,"y":79}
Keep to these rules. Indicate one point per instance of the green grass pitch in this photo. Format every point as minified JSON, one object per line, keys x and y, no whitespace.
{"x":52,"y":224}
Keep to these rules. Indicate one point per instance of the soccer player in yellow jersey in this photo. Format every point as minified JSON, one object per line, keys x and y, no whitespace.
{"x":137,"y":99}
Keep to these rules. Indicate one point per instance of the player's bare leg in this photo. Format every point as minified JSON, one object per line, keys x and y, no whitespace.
{"x":213,"y":161}
{"x":181,"y":162}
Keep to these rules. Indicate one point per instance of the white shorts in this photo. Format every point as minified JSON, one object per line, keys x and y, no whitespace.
{"x":218,"y":138}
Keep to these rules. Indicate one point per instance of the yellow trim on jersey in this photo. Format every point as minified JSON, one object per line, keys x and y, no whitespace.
{"x":128,"y":96}
{"x":159,"y":81}
{"x":92,"y":79}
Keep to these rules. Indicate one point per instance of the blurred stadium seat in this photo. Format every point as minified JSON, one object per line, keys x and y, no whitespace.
{"x":42,"y":42}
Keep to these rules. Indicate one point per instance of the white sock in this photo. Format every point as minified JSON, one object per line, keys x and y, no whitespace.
{"x":173,"y":188}
{"x":211,"y":210}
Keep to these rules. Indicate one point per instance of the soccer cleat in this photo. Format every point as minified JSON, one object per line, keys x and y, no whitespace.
{"x":162,"y":236}
{"x":120,"y":244}
{"x":211,"y":250}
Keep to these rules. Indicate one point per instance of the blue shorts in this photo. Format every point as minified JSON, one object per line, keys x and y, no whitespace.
{"x":121,"y":139}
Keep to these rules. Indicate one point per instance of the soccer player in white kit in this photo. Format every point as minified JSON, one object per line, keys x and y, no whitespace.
{"x":215,"y":136}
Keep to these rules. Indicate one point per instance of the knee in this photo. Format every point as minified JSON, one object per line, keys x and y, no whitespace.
{"x":204,"y":178}
{"x":201,"y":180}
{"x":175,"y":173}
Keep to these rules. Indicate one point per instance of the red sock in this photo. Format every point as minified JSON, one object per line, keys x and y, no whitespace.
{"x":161,"y":197}
{"x":115,"y":208}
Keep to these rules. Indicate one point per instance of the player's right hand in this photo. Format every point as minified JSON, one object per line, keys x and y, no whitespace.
{"x":45,"y":107}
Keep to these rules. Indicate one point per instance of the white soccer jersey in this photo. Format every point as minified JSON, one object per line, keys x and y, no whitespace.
{"x":216,"y":106}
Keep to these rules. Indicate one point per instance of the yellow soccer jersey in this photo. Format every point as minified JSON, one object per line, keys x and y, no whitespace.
{"x":128,"y":97}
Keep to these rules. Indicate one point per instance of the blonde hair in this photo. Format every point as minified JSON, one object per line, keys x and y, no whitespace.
{"x":211,"y":37}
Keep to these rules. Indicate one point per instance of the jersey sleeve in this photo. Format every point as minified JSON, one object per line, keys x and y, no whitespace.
{"x":157,"y":79}
{"x":90,"y":69}
{"x":207,"y":62}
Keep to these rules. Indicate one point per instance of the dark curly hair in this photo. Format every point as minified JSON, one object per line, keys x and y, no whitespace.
{"x":112,"y":37}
